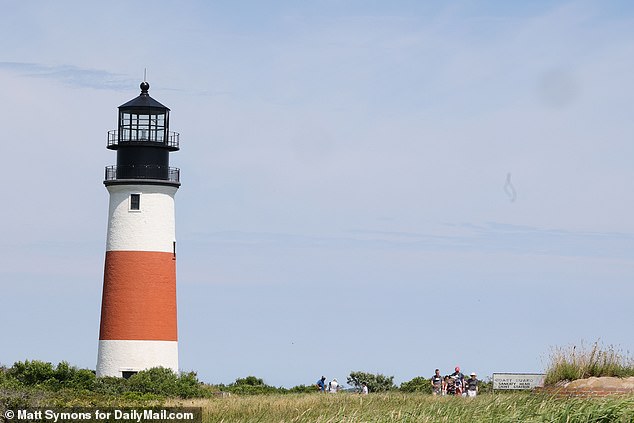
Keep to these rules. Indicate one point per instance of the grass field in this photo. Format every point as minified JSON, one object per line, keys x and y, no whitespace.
{"x":398,"y":407}
{"x":32,"y":384}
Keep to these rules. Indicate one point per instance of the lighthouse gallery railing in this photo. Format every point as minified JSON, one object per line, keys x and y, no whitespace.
{"x":162,"y":173}
{"x":115,"y":138}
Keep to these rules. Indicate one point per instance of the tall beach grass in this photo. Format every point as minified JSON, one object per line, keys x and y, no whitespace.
{"x":415,"y":407}
{"x":583,"y":361}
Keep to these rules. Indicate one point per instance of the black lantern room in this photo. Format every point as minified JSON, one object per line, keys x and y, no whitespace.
{"x":143,"y":143}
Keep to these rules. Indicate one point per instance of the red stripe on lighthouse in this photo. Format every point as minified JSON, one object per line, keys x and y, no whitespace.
{"x":139,"y":296}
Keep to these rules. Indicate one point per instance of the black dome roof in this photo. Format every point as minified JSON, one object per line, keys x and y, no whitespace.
{"x":144,"y":103}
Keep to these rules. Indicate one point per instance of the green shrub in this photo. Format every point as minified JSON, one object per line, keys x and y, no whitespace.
{"x":418,"y":384}
{"x":110,"y":385}
{"x":249,"y":380}
{"x":71,"y":377}
{"x":32,"y":373}
{"x":251,"y":385}
{"x":139,"y":397}
{"x":43,"y":374}
{"x":375,"y":382}
{"x":162,"y":381}
{"x":5,"y":380}
{"x":303,"y":389}
{"x":16,"y":397}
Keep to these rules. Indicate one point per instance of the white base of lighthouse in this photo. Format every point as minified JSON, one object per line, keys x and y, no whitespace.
{"x":115,"y":357}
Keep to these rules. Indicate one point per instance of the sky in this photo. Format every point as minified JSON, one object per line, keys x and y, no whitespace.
{"x":388,"y":187}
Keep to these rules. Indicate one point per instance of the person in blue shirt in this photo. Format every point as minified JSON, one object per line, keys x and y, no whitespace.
{"x":321,"y":384}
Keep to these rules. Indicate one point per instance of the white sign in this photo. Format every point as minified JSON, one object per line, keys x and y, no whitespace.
{"x":518,"y":380}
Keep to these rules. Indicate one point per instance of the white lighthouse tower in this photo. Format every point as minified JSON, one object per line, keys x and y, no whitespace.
{"x":138,"y":312}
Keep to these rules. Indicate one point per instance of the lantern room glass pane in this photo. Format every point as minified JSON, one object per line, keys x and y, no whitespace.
{"x":143,"y":127}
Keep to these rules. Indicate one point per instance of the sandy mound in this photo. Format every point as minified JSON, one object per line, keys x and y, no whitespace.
{"x":603,"y":383}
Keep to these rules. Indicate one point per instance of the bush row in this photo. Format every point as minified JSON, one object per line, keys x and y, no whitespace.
{"x":156,"y":381}
{"x":164,"y":382}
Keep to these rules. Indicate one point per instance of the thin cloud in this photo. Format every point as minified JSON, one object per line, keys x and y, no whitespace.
{"x":72,"y":75}
{"x":489,"y":238}
{"x":90,"y":78}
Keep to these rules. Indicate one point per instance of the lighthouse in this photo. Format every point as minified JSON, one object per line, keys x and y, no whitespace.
{"x":138,"y":327}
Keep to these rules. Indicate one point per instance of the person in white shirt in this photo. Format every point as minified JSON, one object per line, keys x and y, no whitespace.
{"x":472,"y":385}
{"x":333,"y":386}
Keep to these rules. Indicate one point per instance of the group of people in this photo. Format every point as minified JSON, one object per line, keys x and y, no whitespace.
{"x":333,"y":386}
{"x":454,"y":384}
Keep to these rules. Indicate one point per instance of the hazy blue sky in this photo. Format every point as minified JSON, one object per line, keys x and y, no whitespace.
{"x":366,"y":185}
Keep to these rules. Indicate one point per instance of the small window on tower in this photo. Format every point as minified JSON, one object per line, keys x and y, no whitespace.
{"x":135,"y":201}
